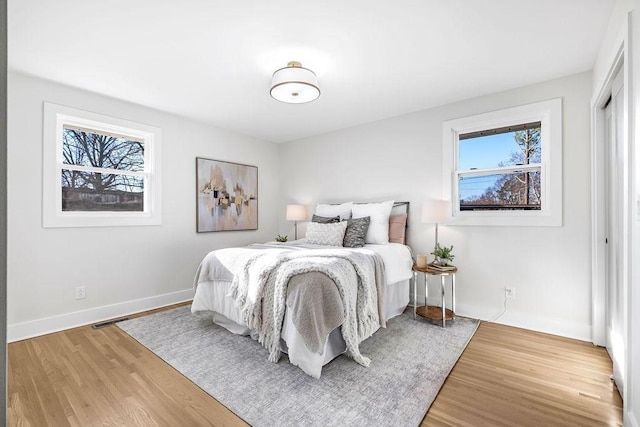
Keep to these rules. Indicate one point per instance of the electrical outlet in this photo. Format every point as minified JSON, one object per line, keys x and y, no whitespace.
{"x":510,"y":293}
{"x":81,"y":292}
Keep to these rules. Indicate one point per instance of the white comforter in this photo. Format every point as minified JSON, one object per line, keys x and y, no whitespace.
{"x":225,"y":264}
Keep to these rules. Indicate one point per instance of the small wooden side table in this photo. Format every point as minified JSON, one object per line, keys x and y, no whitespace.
{"x":441,"y":313}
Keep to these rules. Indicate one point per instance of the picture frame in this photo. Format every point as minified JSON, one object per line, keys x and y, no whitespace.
{"x":226,"y":196}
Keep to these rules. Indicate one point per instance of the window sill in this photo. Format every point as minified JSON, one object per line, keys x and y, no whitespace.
{"x":505,"y":219}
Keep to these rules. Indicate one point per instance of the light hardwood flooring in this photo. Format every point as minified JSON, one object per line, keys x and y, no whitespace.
{"x":506,"y":376}
{"x":509,"y":376}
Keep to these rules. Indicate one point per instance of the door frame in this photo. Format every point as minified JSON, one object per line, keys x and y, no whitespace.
{"x":599,"y":201}
{"x":619,"y":62}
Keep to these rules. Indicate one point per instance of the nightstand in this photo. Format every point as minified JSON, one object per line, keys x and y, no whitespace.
{"x":441,"y":313}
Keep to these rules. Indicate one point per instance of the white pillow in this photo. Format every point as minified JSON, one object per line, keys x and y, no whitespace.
{"x":378,"y":232}
{"x":343,"y":210}
{"x":326,"y":234}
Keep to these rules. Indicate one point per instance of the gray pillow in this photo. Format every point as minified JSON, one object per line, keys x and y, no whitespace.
{"x":356,"y":233}
{"x":324,"y":219}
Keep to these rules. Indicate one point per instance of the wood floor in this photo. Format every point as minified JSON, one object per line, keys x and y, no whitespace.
{"x":509,"y":376}
{"x":506,"y":376}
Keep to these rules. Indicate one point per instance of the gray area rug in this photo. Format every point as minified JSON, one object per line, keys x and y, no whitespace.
{"x":410,"y":360}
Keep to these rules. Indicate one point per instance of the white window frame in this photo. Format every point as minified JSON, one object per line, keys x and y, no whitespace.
{"x":549,"y":113}
{"x":55,"y":117}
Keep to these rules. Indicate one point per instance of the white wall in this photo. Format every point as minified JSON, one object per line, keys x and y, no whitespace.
{"x":401,"y":158}
{"x":124,"y":269}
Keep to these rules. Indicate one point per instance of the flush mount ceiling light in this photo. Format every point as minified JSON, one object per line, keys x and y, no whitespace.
{"x":294,"y":84}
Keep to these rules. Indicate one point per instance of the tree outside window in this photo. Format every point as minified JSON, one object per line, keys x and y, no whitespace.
{"x":97,"y":171}
{"x":511,"y":184}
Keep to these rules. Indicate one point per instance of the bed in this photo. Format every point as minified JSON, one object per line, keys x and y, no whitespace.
{"x":309,"y":299}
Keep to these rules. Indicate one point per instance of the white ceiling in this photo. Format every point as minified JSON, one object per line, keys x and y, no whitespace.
{"x":212,"y":60}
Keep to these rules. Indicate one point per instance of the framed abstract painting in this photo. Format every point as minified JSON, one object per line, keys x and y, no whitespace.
{"x":226,"y":196}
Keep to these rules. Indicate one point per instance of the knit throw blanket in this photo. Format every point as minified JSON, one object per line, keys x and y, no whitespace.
{"x":260,"y":289}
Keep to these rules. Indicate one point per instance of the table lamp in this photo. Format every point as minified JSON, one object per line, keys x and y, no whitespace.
{"x":296,"y":213}
{"x":435,"y":212}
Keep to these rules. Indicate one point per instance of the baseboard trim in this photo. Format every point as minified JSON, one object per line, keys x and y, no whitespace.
{"x":560,"y":327}
{"x":38,"y":327}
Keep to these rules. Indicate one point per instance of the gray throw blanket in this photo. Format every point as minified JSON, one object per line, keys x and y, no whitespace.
{"x":260,"y":290}
{"x":316,"y":308}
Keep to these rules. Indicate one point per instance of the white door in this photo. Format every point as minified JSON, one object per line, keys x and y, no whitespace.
{"x":615,"y":328}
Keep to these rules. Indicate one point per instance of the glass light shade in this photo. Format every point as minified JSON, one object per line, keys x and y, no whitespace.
{"x":294,"y":84}
{"x":435,"y":211}
{"x":296,"y":213}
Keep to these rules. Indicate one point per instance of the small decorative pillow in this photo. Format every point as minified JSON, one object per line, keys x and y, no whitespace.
{"x":324,"y":219}
{"x":326,"y":234}
{"x":397,"y":226}
{"x":356,"y":233}
{"x":378,"y":232}
{"x":343,"y":210}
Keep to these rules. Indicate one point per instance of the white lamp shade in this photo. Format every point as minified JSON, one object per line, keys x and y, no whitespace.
{"x":294,"y":84}
{"x":296,"y":213}
{"x":435,"y":211}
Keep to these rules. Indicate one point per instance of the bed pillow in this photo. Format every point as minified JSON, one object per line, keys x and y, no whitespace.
{"x":324,"y":219}
{"x":356,"y":233}
{"x":343,"y":210}
{"x":397,"y":226}
{"x":326,"y":234}
{"x":378,"y":232}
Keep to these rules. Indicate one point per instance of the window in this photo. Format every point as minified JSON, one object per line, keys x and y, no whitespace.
{"x":99,"y":170}
{"x":505,"y":167}
{"x":499,"y":169}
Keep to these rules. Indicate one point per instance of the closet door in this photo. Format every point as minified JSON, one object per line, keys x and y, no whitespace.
{"x":615,"y":328}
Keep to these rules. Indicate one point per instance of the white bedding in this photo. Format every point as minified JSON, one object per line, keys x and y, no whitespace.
{"x":221,"y":265}
{"x":217,"y":271}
